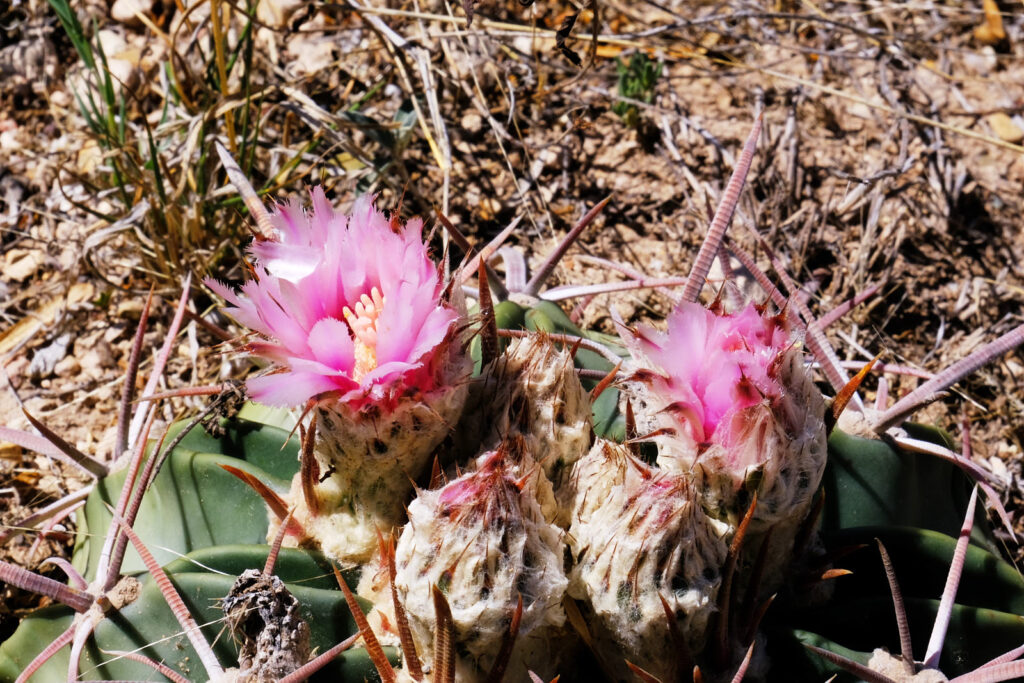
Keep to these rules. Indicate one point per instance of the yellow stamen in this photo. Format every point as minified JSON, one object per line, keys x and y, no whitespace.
{"x":363,"y":323}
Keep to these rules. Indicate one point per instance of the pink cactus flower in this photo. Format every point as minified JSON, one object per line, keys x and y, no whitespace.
{"x":730,"y":395}
{"x":348,"y":306}
{"x":714,"y":365}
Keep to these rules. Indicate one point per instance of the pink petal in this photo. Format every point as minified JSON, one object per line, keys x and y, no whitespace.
{"x":288,"y":389}
{"x":331,"y":344}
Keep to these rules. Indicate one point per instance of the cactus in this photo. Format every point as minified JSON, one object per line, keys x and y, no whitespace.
{"x":647,"y":561}
{"x":535,"y":546}
{"x":483,"y":542}
{"x":352,"y":308}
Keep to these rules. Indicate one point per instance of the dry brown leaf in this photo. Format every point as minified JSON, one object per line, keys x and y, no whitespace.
{"x":991,"y":32}
{"x":1005,"y":127}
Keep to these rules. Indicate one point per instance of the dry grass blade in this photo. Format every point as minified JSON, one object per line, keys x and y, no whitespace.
{"x":373,"y":648}
{"x":264,"y":226}
{"x":722,"y":218}
{"x":906,"y":648}
{"x":923,"y":120}
{"x":444,"y":639}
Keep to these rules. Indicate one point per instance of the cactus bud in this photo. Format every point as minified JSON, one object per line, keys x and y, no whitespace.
{"x":729,"y":392}
{"x":639,"y":537}
{"x":484,"y":543}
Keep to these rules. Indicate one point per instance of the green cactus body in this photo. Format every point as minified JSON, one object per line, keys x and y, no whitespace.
{"x":639,"y":536}
{"x":485,"y":544}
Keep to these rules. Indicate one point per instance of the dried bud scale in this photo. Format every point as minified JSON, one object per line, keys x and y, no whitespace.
{"x":265,"y":618}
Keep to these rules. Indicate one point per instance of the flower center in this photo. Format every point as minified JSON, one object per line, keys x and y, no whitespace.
{"x":363,"y":323}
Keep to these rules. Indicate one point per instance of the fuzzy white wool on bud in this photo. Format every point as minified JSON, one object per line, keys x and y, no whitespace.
{"x":531,"y":391}
{"x":372,"y":459}
{"x":484,"y":543}
{"x":639,"y":536}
